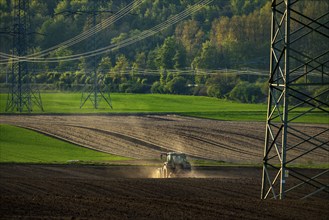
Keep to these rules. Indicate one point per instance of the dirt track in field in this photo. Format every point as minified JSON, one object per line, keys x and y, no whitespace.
{"x":102,"y":192}
{"x":143,"y":137}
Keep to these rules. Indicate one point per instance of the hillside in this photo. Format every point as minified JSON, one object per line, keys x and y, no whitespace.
{"x":194,"y":47}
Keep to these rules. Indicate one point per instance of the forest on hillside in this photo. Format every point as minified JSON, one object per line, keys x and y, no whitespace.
{"x":205,"y":51}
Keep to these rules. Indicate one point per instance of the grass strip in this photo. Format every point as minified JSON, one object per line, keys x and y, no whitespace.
{"x":196,"y":106}
{"x":19,"y":145}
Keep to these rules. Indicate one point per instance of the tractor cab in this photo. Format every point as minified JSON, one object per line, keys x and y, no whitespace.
{"x":176,"y":158}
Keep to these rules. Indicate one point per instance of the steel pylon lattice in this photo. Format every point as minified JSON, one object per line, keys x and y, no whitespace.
{"x":22,"y":95}
{"x":96,"y":90}
{"x":298,"y":87}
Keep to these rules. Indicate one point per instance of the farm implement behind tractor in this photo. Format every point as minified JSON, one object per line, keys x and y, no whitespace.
{"x":175,"y":165}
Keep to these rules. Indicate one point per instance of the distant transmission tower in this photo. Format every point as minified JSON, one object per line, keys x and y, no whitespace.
{"x":98,"y":90}
{"x":21,"y":96}
{"x":299,"y":64}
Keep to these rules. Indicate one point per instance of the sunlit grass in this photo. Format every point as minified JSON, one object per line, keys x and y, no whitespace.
{"x":20,"y":145}
{"x":196,"y":106}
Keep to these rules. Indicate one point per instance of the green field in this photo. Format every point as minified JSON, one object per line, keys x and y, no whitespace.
{"x":32,"y":147}
{"x":198,"y":106}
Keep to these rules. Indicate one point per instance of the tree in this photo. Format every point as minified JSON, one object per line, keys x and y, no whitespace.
{"x":104,"y":65}
{"x":179,"y":59}
{"x":157,"y":88}
{"x":63,"y":65}
{"x":151,"y":59}
{"x":166,"y":54}
{"x":190,"y":35}
{"x":65,"y":80}
{"x":209,"y":57}
{"x":119,"y":72}
{"x":140,"y":60}
{"x":247,"y":93}
{"x":220,"y":85}
{"x":177,"y":85}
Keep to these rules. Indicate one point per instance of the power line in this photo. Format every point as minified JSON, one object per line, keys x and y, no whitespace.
{"x":150,"y":32}
{"x":86,"y":34}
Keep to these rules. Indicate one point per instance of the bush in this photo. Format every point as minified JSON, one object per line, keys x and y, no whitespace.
{"x":177,"y":85}
{"x":157,"y":88}
{"x":220,"y":85}
{"x":213,"y":91}
{"x":247,"y":93}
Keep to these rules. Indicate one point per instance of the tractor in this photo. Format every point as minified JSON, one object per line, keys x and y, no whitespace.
{"x":175,"y":165}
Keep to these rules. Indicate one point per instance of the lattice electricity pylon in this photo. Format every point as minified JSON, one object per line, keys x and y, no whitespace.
{"x":298,"y":87}
{"x":21,"y":96}
{"x":97,"y":90}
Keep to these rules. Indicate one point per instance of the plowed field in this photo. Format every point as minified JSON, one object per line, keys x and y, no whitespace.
{"x":68,"y":192}
{"x":129,"y":192}
{"x":144,"y":137}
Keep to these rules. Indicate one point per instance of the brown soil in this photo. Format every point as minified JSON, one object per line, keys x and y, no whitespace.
{"x":144,"y":137}
{"x":102,"y":192}
{"x":123,"y":192}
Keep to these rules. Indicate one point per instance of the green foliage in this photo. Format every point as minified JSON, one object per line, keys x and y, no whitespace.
{"x":214,"y":91}
{"x":178,"y":46}
{"x":167,"y":53}
{"x":157,"y":88}
{"x":177,"y":85}
{"x":32,"y":147}
{"x":240,"y":7}
{"x":231,"y":34}
{"x":247,"y":93}
{"x":219,"y":85}
{"x":209,"y":57}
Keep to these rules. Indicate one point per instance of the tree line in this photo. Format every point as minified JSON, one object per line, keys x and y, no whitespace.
{"x":226,"y":34}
